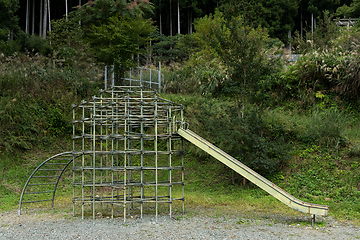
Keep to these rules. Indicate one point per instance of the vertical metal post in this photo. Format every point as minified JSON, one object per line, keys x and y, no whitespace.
{"x":111,"y":119}
{"x":182,"y":164}
{"x":150,"y":77}
{"x":101,"y":149}
{"x":156,"y":157}
{"x":140,"y":76}
{"x":94,"y":155}
{"x":115,"y":98}
{"x":313,"y":220}
{"x":169,"y":158}
{"x":125,"y":154}
{"x":83,"y":163}
{"x":142,"y":150}
{"x":106,"y":76}
{"x":159,"y":77}
{"x":112,"y":76}
{"x":73,"y":172}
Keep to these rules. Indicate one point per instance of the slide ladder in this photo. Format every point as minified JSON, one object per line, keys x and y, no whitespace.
{"x":257,"y":179}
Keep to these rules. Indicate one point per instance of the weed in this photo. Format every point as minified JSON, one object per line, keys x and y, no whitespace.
{"x":242,"y":221}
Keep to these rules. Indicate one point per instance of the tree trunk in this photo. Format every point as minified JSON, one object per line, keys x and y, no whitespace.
{"x":27,"y":17}
{"x":33,"y":18}
{"x":301,"y":23}
{"x":170,"y":19}
{"x":178,"y":12}
{"x":41,"y":18}
{"x":45,"y":19}
{"x":190,"y":21}
{"x":49,"y":15}
{"x":312,"y":24}
{"x":160,"y":21}
{"x":66,"y":8}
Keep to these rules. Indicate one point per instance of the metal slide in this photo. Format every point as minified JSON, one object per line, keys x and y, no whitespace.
{"x":257,"y":179}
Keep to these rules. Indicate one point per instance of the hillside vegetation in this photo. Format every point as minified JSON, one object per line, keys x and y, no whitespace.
{"x":296,"y":123}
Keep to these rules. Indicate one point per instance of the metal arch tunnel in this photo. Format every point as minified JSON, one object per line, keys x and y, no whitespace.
{"x":44,"y":179}
{"x":257,"y":179}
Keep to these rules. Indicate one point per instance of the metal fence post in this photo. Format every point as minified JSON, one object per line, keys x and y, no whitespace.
{"x":106,"y":77}
{"x":159,"y":77}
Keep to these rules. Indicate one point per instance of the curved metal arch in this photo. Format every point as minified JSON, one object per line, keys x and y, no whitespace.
{"x":69,"y":154}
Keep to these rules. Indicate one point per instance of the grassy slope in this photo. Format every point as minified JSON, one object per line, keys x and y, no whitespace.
{"x":316,"y":173}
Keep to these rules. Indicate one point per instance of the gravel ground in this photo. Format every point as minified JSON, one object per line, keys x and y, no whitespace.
{"x":41,"y":225}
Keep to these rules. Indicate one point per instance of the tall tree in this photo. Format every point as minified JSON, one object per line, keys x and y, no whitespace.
{"x":241,"y":48}
{"x":350,"y":10}
{"x":277,"y":16}
{"x":8,"y":19}
{"x":178,"y":15}
{"x":116,"y":31}
{"x":45,"y":18}
{"x":171,"y":27}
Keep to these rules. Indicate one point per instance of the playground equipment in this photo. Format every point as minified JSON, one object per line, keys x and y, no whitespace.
{"x":257,"y":179}
{"x":125,"y":144}
{"x":124,"y":149}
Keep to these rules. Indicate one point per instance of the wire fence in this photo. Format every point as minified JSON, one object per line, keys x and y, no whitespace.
{"x":139,"y":76}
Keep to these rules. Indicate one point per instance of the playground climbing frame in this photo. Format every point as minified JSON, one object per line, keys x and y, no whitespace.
{"x":127,"y":146}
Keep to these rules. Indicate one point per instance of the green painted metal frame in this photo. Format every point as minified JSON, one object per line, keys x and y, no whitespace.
{"x":68,"y":154}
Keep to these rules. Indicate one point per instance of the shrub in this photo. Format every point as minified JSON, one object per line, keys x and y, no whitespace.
{"x":36,"y":98}
{"x":326,"y":127}
{"x":259,"y":144}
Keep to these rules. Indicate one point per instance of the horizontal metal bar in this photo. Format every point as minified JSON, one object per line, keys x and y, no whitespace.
{"x":59,"y":163}
{"x":36,"y":201}
{"x":38,"y":184}
{"x":59,"y":169}
{"x":45,"y":176}
{"x":39,"y":192}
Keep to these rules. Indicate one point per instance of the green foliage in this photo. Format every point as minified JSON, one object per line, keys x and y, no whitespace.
{"x":58,"y":124}
{"x":178,"y":79}
{"x":319,"y":174}
{"x":25,"y":43}
{"x":8,"y":19}
{"x":351,"y":11}
{"x":277,"y":16}
{"x":326,"y":127}
{"x":116,"y":31}
{"x":323,"y":36}
{"x":33,"y":44}
{"x":36,"y":97}
{"x":9,"y":47}
{"x":116,"y":42}
{"x":333,"y":73}
{"x":168,"y":49}
{"x":66,"y":33}
{"x":241,"y":49}
{"x":259,"y":144}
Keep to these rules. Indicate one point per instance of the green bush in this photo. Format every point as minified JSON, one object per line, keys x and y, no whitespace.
{"x":9,"y":47}
{"x":326,"y":127}
{"x":261,"y":145}
{"x":36,"y":98}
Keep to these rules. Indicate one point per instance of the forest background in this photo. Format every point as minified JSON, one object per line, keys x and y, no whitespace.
{"x":295,"y":122}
